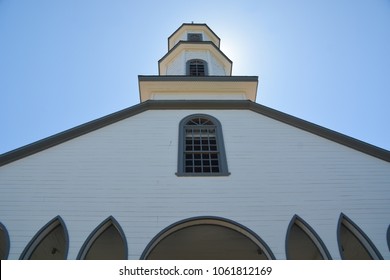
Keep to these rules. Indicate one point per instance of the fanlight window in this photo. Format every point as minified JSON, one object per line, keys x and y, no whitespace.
{"x":196,"y":67}
{"x":201,"y":150}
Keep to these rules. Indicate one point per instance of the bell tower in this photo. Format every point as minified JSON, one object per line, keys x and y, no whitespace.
{"x":194,"y":68}
{"x":193,"y":50}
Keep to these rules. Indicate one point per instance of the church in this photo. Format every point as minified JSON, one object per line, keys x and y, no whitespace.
{"x":196,"y":171}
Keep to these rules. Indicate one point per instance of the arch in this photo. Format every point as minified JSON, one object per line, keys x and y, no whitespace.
{"x":197,"y":67}
{"x":207,"y":238}
{"x":106,"y":242}
{"x":50,"y":243}
{"x":201,"y":147}
{"x":4,"y":242}
{"x":303,"y":243}
{"x":354,"y":244}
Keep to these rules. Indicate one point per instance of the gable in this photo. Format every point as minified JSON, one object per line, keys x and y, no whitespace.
{"x":195,"y":105}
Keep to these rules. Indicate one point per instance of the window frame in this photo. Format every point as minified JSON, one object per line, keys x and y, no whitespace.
{"x":97,"y":232}
{"x":222,"y":161}
{"x":188,"y":67}
{"x":311,"y":235}
{"x":40,"y":236}
{"x":359,"y":235}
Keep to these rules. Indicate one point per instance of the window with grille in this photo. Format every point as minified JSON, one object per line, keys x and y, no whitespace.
{"x":196,"y":67}
{"x":201,"y":149}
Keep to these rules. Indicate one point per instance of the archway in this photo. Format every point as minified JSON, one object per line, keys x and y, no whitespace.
{"x":106,"y":242}
{"x":207,"y":238}
{"x":50,"y":243}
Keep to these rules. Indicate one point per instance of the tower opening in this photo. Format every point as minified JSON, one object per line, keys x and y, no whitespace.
{"x":197,"y":67}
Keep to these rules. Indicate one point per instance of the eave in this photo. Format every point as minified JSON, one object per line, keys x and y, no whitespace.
{"x":185,"y":45}
{"x":184,"y":85}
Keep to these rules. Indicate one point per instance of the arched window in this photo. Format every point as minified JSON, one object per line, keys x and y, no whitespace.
{"x":4,"y":242}
{"x":354,"y":244}
{"x":106,"y":242}
{"x":197,"y":67}
{"x":201,"y":147}
{"x":303,"y":243}
{"x":50,"y":243}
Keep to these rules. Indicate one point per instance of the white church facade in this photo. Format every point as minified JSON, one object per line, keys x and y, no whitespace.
{"x":196,"y":170}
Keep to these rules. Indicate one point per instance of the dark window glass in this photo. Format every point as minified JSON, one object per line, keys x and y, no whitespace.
{"x":194,"y":37}
{"x":202,"y":149}
{"x":197,"y":68}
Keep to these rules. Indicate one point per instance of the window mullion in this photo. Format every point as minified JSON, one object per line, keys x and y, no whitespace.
{"x":201,"y":148}
{"x":193,"y":149}
{"x":203,"y":153}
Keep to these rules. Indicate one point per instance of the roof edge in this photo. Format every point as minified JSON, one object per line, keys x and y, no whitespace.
{"x":183,"y":43}
{"x":187,"y":78}
{"x":69,"y":134}
{"x":80,"y":130}
{"x":324,"y":132}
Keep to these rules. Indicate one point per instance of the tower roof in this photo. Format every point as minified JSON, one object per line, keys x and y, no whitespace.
{"x":183,"y":46}
{"x":181,"y":34}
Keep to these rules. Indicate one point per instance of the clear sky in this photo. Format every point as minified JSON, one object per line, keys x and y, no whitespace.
{"x":64,"y":63}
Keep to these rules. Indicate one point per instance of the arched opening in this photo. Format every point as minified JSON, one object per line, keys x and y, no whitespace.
{"x":106,"y":242}
{"x":4,"y":242}
{"x":354,"y":244}
{"x":197,"y":67}
{"x":201,"y":147}
{"x":207,"y":238}
{"x":302,"y":242}
{"x":50,"y":243}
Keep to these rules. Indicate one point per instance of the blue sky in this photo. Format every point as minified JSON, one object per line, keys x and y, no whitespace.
{"x":64,"y":63}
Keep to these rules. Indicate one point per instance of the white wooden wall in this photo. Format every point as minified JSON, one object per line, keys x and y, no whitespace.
{"x":127,"y":170}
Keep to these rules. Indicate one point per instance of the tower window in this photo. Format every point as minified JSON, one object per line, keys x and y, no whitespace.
{"x":201,"y":148}
{"x":194,"y":37}
{"x":196,"y":67}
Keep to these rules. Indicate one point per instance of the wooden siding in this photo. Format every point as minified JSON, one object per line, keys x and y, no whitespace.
{"x":127,"y":170}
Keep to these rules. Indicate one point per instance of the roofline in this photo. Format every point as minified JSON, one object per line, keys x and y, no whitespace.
{"x":180,"y":43}
{"x":187,"y":78}
{"x":194,"y":24}
{"x":196,"y":104}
